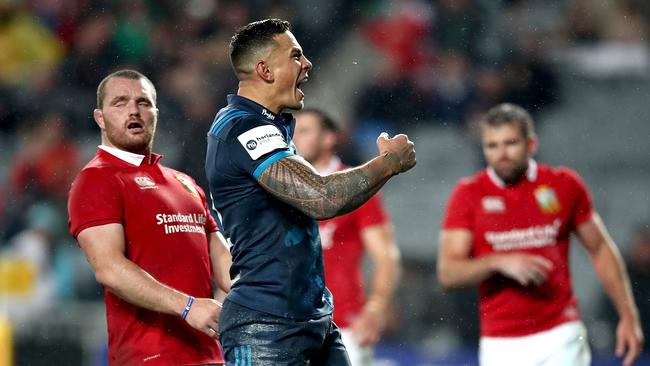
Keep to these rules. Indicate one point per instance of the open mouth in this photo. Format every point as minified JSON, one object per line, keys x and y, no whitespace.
{"x":135,"y":126}
{"x":300,"y":83}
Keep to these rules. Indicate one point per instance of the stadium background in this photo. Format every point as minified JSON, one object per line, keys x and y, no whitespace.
{"x":428,"y":68}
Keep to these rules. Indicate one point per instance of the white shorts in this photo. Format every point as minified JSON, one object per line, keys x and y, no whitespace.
{"x":359,"y":356}
{"x":564,"y":345}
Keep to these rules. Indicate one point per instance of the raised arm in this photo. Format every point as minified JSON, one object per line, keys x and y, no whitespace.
{"x":296,"y":182}
{"x":611,"y":272}
{"x":104,"y":247}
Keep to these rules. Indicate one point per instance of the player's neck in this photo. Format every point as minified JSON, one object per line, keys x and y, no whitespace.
{"x":258,"y":95}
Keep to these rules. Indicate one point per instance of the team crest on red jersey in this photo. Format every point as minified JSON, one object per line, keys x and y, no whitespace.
{"x":547,"y":199}
{"x":188,"y":185}
{"x":145,"y":183}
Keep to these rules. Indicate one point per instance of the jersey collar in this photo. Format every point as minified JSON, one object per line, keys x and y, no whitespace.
{"x":260,"y":110}
{"x":129,"y":157}
{"x":531,"y":174}
{"x":332,"y":166}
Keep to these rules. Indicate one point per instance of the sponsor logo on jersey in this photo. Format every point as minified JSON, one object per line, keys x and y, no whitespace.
{"x":188,"y":185}
{"x":262,"y":140}
{"x":547,"y":199}
{"x":493,"y":204}
{"x":529,"y":237}
{"x":268,"y":114}
{"x":145,"y":183}
{"x":178,"y":222}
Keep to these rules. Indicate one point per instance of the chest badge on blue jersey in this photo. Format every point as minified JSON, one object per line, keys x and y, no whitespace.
{"x":547,"y":199}
{"x":188,"y":185}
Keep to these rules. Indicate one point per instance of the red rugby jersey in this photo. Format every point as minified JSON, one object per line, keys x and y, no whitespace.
{"x":535,"y":215}
{"x":165,"y":219}
{"x":343,"y":252}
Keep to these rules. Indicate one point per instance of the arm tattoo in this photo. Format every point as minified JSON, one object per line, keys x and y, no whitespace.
{"x":296,"y":183}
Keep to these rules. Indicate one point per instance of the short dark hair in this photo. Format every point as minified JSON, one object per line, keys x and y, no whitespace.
{"x":509,"y":114}
{"x":126,"y":74}
{"x":326,"y":122}
{"x":252,"y":38}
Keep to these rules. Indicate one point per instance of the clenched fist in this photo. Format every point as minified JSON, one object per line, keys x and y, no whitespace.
{"x":399,"y":150}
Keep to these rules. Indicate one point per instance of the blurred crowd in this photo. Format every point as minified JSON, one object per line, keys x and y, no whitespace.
{"x":442,"y":62}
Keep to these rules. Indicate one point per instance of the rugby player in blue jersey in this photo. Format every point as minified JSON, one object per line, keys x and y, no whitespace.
{"x":268,"y":199}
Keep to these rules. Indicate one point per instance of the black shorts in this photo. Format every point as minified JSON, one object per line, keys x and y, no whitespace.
{"x":250,"y":337}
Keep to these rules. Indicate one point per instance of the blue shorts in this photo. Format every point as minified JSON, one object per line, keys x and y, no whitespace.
{"x":249,"y":337}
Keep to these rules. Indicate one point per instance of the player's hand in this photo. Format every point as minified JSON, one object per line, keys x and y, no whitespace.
{"x":526,"y":269}
{"x":368,"y":326}
{"x":204,"y":316}
{"x":629,"y":336}
{"x":399,"y":149}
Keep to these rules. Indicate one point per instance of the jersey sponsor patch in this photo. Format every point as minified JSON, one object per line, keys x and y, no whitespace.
{"x":523,"y":238}
{"x":493,"y":204}
{"x":145,"y":183}
{"x":547,"y":199}
{"x":261,"y":140}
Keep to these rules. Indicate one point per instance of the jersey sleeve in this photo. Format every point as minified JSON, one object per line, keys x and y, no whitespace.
{"x":94,"y":199}
{"x":255,"y":145}
{"x":372,"y":213}
{"x":458,"y":214}
{"x":583,"y":203}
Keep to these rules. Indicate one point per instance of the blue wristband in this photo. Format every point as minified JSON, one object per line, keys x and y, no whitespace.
{"x":187,"y":307}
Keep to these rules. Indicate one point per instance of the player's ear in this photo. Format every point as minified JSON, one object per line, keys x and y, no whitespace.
{"x":532,"y":145}
{"x":98,"y":116}
{"x":263,"y":71}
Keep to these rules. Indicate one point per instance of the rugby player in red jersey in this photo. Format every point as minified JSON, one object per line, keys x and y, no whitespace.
{"x":507,"y":230}
{"x":148,"y":234}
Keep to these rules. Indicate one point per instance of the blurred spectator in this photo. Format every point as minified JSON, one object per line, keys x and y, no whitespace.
{"x":47,"y":162}
{"x":92,"y":53}
{"x":25,"y":43}
{"x":400,"y":35}
{"x":453,"y":89}
{"x":27,"y":277}
{"x":42,"y":170}
{"x":131,"y":35}
{"x":458,"y":27}
{"x":608,"y":38}
{"x":583,"y":22}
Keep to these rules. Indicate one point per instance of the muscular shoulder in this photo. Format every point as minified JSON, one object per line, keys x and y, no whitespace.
{"x":471,"y":183}
{"x":563,"y":174}
{"x":94,"y":174}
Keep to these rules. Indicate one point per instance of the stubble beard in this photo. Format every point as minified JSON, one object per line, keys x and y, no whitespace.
{"x":138,"y":144}
{"x":513,"y":175}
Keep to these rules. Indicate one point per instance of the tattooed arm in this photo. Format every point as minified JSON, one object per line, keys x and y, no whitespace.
{"x":296,"y":182}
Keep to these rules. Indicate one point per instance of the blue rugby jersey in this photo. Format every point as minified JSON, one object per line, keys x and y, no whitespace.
{"x":276,"y":249}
